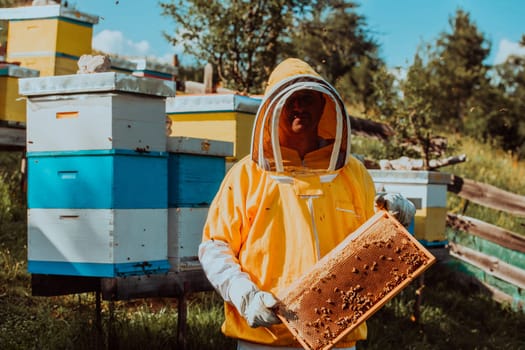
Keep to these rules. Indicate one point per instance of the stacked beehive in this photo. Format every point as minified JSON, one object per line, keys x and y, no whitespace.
{"x":196,"y":168}
{"x":97,"y":174}
{"x":48,"y":38}
{"x":223,"y":117}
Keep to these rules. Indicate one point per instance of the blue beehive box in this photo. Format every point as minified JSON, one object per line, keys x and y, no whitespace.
{"x":105,"y":179}
{"x":196,"y":168}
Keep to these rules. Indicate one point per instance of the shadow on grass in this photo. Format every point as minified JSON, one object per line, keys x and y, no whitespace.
{"x":454,"y":314}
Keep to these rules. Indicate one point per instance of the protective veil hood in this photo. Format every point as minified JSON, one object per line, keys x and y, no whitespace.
{"x":288,"y":77}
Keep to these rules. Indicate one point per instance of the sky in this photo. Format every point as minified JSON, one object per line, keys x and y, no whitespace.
{"x":134,"y":27}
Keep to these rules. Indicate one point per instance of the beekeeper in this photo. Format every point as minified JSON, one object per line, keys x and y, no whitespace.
{"x":280,"y":209}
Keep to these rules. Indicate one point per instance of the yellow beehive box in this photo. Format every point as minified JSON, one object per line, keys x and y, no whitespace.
{"x":49,"y":38}
{"x":428,"y":191}
{"x":12,"y":106}
{"x":223,"y":117}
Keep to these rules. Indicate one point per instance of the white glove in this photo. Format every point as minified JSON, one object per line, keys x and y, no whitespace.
{"x":254,"y":305}
{"x":402,"y":209}
{"x":234,"y":285}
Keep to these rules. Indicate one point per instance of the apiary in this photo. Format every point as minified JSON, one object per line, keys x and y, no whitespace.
{"x":96,"y":111}
{"x":97,"y":242}
{"x":100,"y":179}
{"x":12,"y":106}
{"x":222,"y":117}
{"x":428,"y":191}
{"x":196,"y":168}
{"x":352,"y":282}
{"x":48,"y":38}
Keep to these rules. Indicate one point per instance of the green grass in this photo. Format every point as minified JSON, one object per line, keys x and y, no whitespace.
{"x":454,"y":313}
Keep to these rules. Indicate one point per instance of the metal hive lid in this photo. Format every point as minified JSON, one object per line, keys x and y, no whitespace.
{"x":95,"y":82}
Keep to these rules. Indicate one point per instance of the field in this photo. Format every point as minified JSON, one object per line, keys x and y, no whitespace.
{"x":454,"y":314}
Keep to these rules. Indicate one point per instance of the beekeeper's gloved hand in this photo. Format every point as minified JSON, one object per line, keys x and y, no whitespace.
{"x":235,"y":286}
{"x":254,"y":305}
{"x":396,"y":204}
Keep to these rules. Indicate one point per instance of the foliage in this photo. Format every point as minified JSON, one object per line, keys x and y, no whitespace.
{"x":503,"y":106}
{"x":414,"y":117}
{"x":245,"y":41}
{"x":439,"y":91}
{"x":334,"y":39}
{"x":12,"y":198}
{"x":457,"y":70}
{"x":242,"y":39}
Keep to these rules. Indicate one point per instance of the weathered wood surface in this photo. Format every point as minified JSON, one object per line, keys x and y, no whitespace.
{"x":370,"y":128}
{"x":488,"y":195}
{"x":53,"y":285}
{"x":489,"y":264}
{"x":12,"y":138}
{"x":172,"y":284}
{"x":495,"y":234}
{"x":406,"y":163}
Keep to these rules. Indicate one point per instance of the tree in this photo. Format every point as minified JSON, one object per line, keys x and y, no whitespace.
{"x":242,"y":39}
{"x":502,"y":107}
{"x":414,"y":118}
{"x":456,"y":70}
{"x":334,"y":39}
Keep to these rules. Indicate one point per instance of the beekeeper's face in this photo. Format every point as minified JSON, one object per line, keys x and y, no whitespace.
{"x":301,"y":113}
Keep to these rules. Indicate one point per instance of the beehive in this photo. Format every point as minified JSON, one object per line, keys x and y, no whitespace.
{"x":352,"y":282}
{"x":97,"y":174}
{"x":12,"y":106}
{"x":97,"y":242}
{"x":48,"y":38}
{"x":96,"y":111}
{"x":196,"y":168}
{"x":428,"y":191}
{"x":223,"y":117}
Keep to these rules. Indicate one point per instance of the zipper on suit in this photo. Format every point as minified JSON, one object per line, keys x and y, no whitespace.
{"x":314,"y":226}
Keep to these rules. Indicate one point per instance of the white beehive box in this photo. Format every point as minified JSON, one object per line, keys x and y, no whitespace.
{"x":97,"y":242}
{"x":428,"y":191}
{"x":184,"y":236}
{"x":96,"y":111}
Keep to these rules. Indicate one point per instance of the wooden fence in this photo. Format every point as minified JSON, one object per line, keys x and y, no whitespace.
{"x":493,"y":256}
